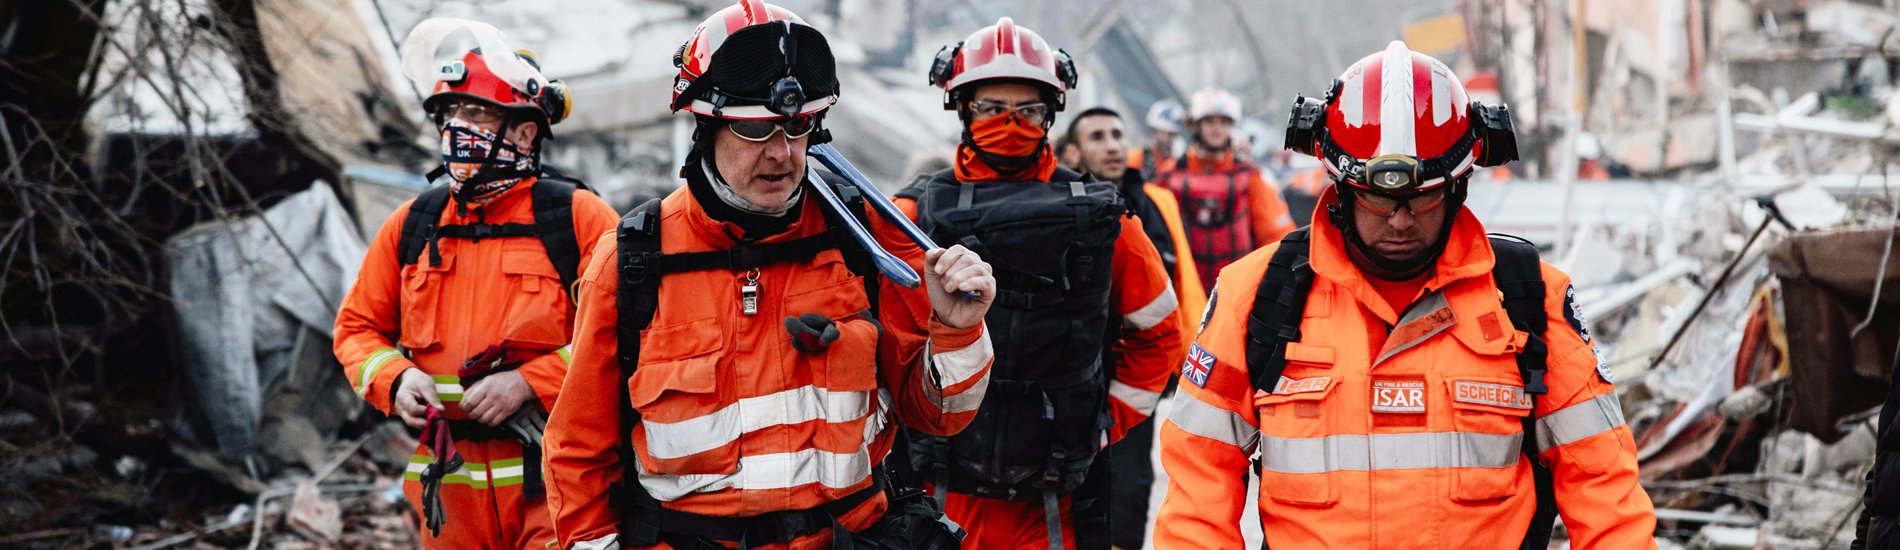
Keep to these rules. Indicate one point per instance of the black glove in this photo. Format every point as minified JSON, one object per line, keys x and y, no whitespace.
{"x":811,"y":332}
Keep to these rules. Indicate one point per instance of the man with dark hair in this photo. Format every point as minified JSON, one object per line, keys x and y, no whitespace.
{"x":1098,"y":133}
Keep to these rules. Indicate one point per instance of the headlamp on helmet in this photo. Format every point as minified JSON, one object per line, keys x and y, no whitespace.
{"x":1392,"y":172}
{"x":787,"y":97}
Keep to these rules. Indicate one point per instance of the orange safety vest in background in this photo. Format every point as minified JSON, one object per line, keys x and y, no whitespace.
{"x":1186,"y":275}
{"x":1407,"y":437}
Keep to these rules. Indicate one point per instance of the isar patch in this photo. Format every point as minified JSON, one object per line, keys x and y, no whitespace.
{"x":1398,"y":395}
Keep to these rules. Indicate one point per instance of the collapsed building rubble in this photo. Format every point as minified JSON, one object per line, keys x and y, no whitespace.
{"x":176,"y":386}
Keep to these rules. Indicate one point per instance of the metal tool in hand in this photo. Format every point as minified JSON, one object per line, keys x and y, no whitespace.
{"x":889,"y":264}
{"x":834,"y":160}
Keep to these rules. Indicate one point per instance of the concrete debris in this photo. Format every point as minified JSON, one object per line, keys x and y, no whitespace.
{"x":1717,"y":537}
{"x":313,"y":515}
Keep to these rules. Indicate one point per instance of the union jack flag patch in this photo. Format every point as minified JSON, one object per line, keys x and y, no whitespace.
{"x":1199,"y":363}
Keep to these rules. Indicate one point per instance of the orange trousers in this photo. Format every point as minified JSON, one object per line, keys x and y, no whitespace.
{"x":1006,"y":524}
{"x":483,"y":502}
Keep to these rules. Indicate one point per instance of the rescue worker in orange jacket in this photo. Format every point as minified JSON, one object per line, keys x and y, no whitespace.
{"x":1230,"y":206}
{"x":423,"y":308}
{"x":1098,"y":131}
{"x":739,"y":377}
{"x":1085,"y":320}
{"x":1099,"y":134}
{"x":1397,"y":416}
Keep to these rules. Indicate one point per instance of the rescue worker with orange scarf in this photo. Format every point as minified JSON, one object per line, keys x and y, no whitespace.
{"x":1085,"y":324}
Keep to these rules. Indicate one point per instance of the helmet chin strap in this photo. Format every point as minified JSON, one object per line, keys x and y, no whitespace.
{"x":1384,"y":267}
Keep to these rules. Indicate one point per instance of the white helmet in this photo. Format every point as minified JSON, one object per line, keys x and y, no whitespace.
{"x":1165,"y":116}
{"x":1213,"y":102}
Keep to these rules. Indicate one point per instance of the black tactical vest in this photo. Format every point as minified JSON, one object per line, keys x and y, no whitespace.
{"x":1050,"y":245}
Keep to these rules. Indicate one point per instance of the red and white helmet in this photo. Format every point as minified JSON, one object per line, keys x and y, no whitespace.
{"x":1399,"y":122}
{"x":1213,"y":102}
{"x":493,"y":71}
{"x":737,"y":66}
{"x":1002,"y":51}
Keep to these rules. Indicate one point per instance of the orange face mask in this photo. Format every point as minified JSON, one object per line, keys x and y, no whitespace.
{"x":1007,"y":136}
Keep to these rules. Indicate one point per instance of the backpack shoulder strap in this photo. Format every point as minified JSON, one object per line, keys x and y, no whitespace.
{"x":1519,"y":275}
{"x":550,"y":173}
{"x":554,"y":224}
{"x":418,"y":229}
{"x":856,"y":258}
{"x":636,"y":301}
{"x":1277,"y":305}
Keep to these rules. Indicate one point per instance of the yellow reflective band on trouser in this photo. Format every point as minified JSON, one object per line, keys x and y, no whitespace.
{"x":368,"y":373}
{"x":500,"y":473}
{"x":448,"y":388}
{"x":566,"y":353}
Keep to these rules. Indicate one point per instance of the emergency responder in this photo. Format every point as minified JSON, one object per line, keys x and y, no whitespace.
{"x":1229,"y":206}
{"x":1099,"y":135}
{"x":1078,"y":279}
{"x":1098,"y":131}
{"x":459,"y":318}
{"x":1164,"y":125}
{"x":1404,"y":381}
{"x":739,"y":373}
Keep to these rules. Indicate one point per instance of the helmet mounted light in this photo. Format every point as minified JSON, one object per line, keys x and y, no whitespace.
{"x":1392,"y":172}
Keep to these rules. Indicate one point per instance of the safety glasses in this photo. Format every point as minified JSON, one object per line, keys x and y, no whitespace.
{"x":473,"y":112}
{"x":761,"y":130}
{"x":1033,"y":113}
{"x":1384,"y":206}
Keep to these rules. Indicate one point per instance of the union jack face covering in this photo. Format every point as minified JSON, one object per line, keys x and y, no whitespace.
{"x":480,"y":164}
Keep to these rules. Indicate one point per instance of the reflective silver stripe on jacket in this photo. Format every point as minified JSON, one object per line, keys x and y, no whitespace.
{"x":1311,"y":455}
{"x":1199,"y":418}
{"x":1577,"y":422}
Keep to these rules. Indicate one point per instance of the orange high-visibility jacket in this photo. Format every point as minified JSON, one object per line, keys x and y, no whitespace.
{"x":1408,"y":437}
{"x":735,"y":421}
{"x":501,"y":291}
{"x":1187,"y":278}
{"x":1150,"y":343}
